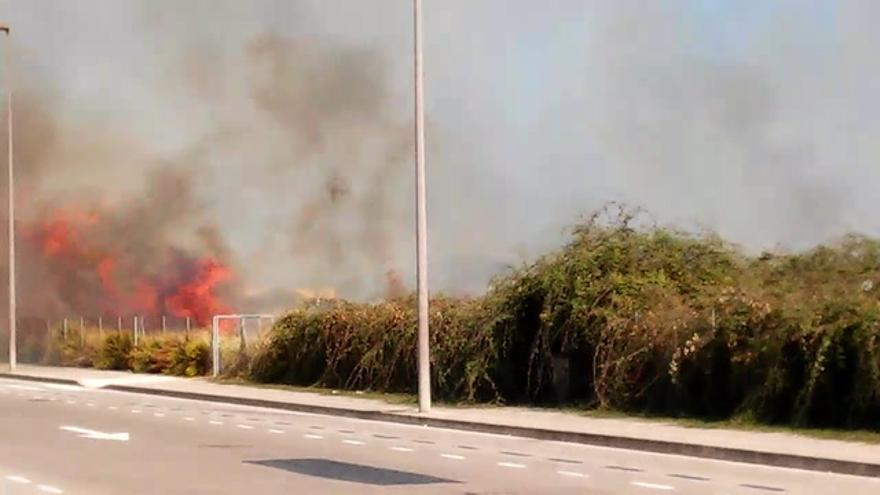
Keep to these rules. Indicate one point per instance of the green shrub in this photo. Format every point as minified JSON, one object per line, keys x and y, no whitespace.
{"x":114,"y":352}
{"x":644,"y":319}
{"x":189,"y":358}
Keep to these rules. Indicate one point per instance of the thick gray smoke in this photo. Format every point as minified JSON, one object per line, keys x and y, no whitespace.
{"x":289,"y":122}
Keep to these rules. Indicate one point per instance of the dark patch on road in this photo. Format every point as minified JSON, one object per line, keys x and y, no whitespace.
{"x":763,"y":488}
{"x":564,"y":461}
{"x":625,"y":468}
{"x":689,"y":477}
{"x":425,"y":442}
{"x":467,"y":447}
{"x":514,"y":454}
{"x":347,"y":432}
{"x":385,"y":437}
{"x":313,"y":427}
{"x":354,"y":473}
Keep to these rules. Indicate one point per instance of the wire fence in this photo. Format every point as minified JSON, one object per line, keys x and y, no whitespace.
{"x":38,"y":339}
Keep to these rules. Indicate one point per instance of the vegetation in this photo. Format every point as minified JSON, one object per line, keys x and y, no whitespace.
{"x":168,"y":354}
{"x":626,"y":317}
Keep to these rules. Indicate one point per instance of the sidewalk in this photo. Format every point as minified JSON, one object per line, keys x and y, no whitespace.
{"x":774,"y":449}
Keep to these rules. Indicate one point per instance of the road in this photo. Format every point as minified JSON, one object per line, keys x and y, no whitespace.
{"x":73,"y":440}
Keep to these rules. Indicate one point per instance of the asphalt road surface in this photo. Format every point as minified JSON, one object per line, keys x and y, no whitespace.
{"x":72,"y":440}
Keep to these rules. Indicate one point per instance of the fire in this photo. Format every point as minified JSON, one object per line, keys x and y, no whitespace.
{"x":91,"y":270}
{"x":195,"y":298}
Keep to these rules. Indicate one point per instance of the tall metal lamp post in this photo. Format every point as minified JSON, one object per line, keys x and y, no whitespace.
{"x":5,"y":29}
{"x":421,"y":219}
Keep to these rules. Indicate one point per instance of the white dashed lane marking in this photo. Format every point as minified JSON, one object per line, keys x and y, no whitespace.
{"x":353,"y":442}
{"x":311,"y":436}
{"x":189,"y":418}
{"x":511,"y":465}
{"x":277,"y":432}
{"x":453,"y":457}
{"x":572,"y":474}
{"x":215,"y":422}
{"x":49,"y":489}
{"x":401,"y":449}
{"x":245,"y":427}
{"x":652,"y":486}
{"x":18,"y":479}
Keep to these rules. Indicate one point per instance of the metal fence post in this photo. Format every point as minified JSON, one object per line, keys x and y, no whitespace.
{"x":163,"y":324}
{"x":242,"y":335}
{"x":215,"y":344}
{"x":134,"y":325}
{"x":82,"y":332}
{"x":48,"y":337}
{"x":101,"y":327}
{"x":64,"y":329}
{"x":187,"y":326}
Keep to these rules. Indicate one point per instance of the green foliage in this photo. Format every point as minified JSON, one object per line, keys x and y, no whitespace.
{"x":189,"y":358}
{"x":171,"y":354}
{"x":643,"y":318}
{"x":114,"y":353}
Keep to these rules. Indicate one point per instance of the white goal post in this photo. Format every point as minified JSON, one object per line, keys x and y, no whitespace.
{"x":215,"y":333}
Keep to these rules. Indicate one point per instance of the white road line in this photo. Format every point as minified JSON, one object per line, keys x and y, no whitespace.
{"x":453,"y":457}
{"x":215,"y":422}
{"x":653,"y":486}
{"x":512,"y":465}
{"x":91,"y":404}
{"x":353,"y":442}
{"x":70,"y":401}
{"x":49,"y":489}
{"x":135,"y":411}
{"x":189,"y":418}
{"x":112,"y":408}
{"x":18,"y":479}
{"x":276,"y":431}
{"x":24,"y":387}
{"x":402,"y":449}
{"x":573,"y":474}
{"x":311,"y":436}
{"x":245,"y":427}
{"x":159,"y":415}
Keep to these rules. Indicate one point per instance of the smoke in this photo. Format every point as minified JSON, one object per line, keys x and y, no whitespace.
{"x":762,"y":136}
{"x":306,"y":129}
{"x":274,"y":139}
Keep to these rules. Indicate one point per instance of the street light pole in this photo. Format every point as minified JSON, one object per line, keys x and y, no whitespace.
{"x":421,"y":220}
{"x":12,"y":311}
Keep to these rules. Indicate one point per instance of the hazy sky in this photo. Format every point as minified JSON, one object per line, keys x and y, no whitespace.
{"x":760,"y":120}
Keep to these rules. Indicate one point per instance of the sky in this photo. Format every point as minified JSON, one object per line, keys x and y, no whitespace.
{"x":757,"y":120}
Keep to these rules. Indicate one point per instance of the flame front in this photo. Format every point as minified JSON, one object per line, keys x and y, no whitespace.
{"x":87,"y":270}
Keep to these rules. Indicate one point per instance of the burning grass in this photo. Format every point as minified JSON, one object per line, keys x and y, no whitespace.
{"x":626,"y":317}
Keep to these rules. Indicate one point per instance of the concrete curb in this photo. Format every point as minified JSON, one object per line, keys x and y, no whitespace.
{"x":657,"y":446}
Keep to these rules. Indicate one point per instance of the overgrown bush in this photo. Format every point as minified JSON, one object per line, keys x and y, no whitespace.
{"x":114,"y":353}
{"x":627,"y":316}
{"x":171,"y":354}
